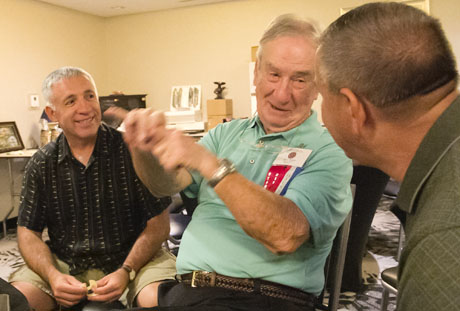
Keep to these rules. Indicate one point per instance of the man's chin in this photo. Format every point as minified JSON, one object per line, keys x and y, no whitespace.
{"x":277,"y":128}
{"x":86,"y":133}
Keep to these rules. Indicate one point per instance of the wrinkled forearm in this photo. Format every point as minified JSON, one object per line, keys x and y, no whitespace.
{"x":159,"y":182}
{"x":273,"y":220}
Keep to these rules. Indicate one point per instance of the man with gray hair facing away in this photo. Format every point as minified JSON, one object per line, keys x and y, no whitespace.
{"x":103,"y":224}
{"x":272,"y":190}
{"x":389,"y":84}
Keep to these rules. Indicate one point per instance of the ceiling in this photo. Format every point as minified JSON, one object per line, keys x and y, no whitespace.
{"x":108,"y":8}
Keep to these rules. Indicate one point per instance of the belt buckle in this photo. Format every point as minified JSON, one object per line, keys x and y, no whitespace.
{"x":194,"y":273}
{"x":200,"y":276}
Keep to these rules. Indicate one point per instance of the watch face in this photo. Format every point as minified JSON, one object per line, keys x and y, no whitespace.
{"x":131,"y":272}
{"x":132,"y":275}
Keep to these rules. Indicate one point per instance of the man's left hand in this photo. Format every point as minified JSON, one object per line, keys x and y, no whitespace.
{"x":111,"y":287}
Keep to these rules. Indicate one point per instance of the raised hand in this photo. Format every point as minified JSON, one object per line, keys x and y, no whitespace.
{"x":146,"y":130}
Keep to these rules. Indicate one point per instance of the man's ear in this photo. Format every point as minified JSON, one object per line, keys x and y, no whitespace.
{"x":51,"y":113}
{"x":358,"y":114}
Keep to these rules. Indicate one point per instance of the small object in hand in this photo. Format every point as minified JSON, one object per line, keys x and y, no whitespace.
{"x":92,"y":285}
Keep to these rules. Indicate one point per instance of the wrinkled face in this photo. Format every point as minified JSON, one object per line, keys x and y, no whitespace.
{"x":76,"y":108}
{"x":284,"y":80}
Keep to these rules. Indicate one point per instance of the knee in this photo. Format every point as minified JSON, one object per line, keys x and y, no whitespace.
{"x":36,"y":298}
{"x":148,"y":296}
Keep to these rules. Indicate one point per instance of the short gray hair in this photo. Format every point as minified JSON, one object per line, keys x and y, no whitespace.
{"x":386,"y":53}
{"x":287,"y":25}
{"x":57,"y":76}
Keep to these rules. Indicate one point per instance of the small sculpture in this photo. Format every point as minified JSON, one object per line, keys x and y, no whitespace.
{"x":218,"y":91}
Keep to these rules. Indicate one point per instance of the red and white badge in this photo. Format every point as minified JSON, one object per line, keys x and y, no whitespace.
{"x":286,"y":166}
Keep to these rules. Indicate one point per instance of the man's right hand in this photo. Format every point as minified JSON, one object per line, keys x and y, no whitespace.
{"x":146,"y":130}
{"x":67,"y":290}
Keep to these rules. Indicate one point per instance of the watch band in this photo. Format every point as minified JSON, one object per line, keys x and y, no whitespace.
{"x":225,"y":167}
{"x":131,"y":272}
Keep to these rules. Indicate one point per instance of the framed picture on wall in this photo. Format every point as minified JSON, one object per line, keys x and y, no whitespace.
{"x":187,"y":97}
{"x":10,"y":139}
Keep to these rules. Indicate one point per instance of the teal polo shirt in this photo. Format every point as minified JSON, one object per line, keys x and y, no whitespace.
{"x":214,"y":241}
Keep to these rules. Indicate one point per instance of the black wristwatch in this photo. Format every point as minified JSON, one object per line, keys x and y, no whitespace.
{"x":131,"y":272}
{"x":226,"y":167}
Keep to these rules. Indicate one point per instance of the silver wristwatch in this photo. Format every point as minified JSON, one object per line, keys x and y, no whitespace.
{"x":225,"y":167}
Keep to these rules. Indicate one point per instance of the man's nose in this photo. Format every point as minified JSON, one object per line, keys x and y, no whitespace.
{"x":83,"y":105}
{"x":283,"y":91}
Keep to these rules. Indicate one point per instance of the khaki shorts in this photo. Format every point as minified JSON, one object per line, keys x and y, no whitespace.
{"x":161,"y":267}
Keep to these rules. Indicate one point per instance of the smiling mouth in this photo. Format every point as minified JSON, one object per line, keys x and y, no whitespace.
{"x":278,"y":109}
{"x":86,"y":121}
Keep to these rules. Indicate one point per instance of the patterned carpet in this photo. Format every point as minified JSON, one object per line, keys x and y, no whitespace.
{"x":382,"y":249}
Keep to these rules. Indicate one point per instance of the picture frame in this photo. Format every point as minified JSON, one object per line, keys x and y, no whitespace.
{"x":185,"y":98}
{"x":10,"y":139}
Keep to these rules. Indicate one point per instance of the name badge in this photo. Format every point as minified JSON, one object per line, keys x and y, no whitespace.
{"x":286,"y":166}
{"x":292,"y":156}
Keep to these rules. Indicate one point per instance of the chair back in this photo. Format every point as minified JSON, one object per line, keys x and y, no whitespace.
{"x":11,"y":298}
{"x":335,"y":264}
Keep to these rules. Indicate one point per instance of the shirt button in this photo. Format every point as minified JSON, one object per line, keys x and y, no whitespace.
{"x":252,"y":161}
{"x":261,"y":142}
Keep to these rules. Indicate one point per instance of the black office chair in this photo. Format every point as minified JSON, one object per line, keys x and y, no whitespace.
{"x":389,"y":276}
{"x":335,"y":265}
{"x":370,"y":184}
{"x":390,"y":285}
{"x":180,"y":215}
{"x":16,"y":300}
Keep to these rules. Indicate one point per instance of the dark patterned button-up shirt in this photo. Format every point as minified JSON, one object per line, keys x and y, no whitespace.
{"x":93,"y":213}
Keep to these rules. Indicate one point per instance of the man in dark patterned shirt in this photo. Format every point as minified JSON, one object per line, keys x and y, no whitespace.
{"x":103,"y":224}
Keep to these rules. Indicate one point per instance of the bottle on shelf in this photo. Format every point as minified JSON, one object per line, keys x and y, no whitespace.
{"x":54,"y":130}
{"x":45,"y":133}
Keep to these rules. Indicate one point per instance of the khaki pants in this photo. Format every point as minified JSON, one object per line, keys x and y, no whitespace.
{"x":161,"y":267}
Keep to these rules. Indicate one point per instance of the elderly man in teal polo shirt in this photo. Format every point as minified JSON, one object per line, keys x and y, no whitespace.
{"x":272,"y":190}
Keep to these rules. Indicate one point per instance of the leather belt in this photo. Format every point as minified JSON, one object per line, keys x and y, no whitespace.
{"x":266,"y":288}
